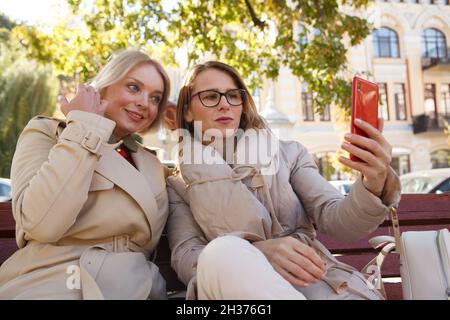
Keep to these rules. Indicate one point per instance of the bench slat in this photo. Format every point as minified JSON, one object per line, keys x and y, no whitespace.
{"x":424,"y":203}
{"x":172,"y":281}
{"x":363,"y":246}
{"x":163,"y":261}
{"x":163,"y":250}
{"x":394,"y":291}
{"x":7,"y":223}
{"x":7,"y":248}
{"x":421,"y":218}
{"x":391,"y":265}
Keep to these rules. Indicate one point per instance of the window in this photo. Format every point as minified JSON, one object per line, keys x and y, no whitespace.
{"x":256,"y":95}
{"x":400,"y":103}
{"x":440,"y":158}
{"x":430,"y":102}
{"x":401,"y":164}
{"x":325,"y":115}
{"x":383,"y":97}
{"x":445,"y":99}
{"x":443,"y":187}
{"x":307,"y":105}
{"x":433,"y":44}
{"x":325,"y":165}
{"x":385,"y":43}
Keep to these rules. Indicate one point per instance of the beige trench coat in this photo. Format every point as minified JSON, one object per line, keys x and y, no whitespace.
{"x":83,"y":211}
{"x":205,"y":204}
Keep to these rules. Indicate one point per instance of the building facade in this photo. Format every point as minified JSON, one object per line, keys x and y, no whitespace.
{"x":408,"y":56}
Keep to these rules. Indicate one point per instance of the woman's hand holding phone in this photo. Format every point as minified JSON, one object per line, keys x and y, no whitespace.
{"x":374,"y":151}
{"x":370,"y":153}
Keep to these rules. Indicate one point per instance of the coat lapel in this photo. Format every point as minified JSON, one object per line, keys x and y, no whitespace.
{"x":152,"y":174}
{"x":115,"y":168}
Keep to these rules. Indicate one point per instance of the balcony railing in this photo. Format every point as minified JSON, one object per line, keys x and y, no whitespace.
{"x":424,"y":123}
{"x":431,"y":59}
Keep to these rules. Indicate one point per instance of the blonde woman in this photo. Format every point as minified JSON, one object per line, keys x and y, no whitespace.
{"x":89,"y":201}
{"x":244,"y":229}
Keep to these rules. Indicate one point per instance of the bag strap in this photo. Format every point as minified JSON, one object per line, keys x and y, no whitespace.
{"x":377,"y":263}
{"x":396,"y":227}
{"x":388,"y":245}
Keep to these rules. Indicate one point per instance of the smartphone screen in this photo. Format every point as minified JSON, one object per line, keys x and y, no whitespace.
{"x":364,"y":106}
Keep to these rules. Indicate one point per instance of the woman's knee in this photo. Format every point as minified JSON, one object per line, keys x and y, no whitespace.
{"x":221,"y":251}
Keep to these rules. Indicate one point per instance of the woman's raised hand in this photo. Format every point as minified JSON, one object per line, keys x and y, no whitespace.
{"x":295,"y":261}
{"x":86,"y":99}
{"x":376,"y":153}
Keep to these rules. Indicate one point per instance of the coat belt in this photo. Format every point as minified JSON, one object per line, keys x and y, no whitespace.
{"x":120,"y":243}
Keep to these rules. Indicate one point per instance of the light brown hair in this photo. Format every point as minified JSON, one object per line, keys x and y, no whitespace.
{"x":249,"y":118}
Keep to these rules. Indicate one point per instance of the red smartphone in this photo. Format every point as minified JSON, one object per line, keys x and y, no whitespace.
{"x":364,"y":106}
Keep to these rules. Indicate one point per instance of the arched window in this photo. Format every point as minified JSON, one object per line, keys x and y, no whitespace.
{"x":385,"y":43}
{"x":324,"y":161}
{"x":401,"y":163}
{"x":307,"y":103}
{"x":330,"y":169}
{"x":440,"y":158}
{"x":433,"y":44}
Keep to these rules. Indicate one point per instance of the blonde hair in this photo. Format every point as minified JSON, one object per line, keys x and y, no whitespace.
{"x":249,"y":118}
{"x":117,"y":68}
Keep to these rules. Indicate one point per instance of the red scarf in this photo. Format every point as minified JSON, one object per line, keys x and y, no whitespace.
{"x":122,"y":150}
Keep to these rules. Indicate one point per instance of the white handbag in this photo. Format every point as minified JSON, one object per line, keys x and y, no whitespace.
{"x":424,"y":261}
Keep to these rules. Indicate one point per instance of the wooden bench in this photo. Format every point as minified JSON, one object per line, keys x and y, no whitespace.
{"x":416,"y":212}
{"x":7,"y":231}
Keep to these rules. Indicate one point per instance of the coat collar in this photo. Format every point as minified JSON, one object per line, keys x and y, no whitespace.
{"x":129,"y":142}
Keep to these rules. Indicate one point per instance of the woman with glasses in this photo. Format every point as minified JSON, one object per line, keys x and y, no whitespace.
{"x":241,"y":227}
{"x":89,"y":201}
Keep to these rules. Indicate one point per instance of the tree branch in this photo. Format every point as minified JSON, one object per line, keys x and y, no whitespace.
{"x":260,"y":24}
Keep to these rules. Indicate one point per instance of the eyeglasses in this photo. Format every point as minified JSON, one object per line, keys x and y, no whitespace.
{"x":211,"y":98}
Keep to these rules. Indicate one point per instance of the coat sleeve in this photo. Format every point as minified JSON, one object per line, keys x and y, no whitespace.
{"x":51,"y":174}
{"x":345,"y":218}
{"x":186,"y":239}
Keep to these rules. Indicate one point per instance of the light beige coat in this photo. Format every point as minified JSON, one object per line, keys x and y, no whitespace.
{"x":207,"y":201}
{"x":86,"y":220}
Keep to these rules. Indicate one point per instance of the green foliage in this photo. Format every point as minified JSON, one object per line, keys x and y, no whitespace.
{"x":6,"y":22}
{"x":257,"y":37}
{"x":6,"y":25}
{"x":26,"y":90}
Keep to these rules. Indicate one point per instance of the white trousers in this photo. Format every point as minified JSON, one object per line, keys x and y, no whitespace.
{"x":231,"y":268}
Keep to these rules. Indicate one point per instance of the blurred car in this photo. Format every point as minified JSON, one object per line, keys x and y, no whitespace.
{"x":426,"y":181}
{"x":343,"y":186}
{"x":5,"y":189}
